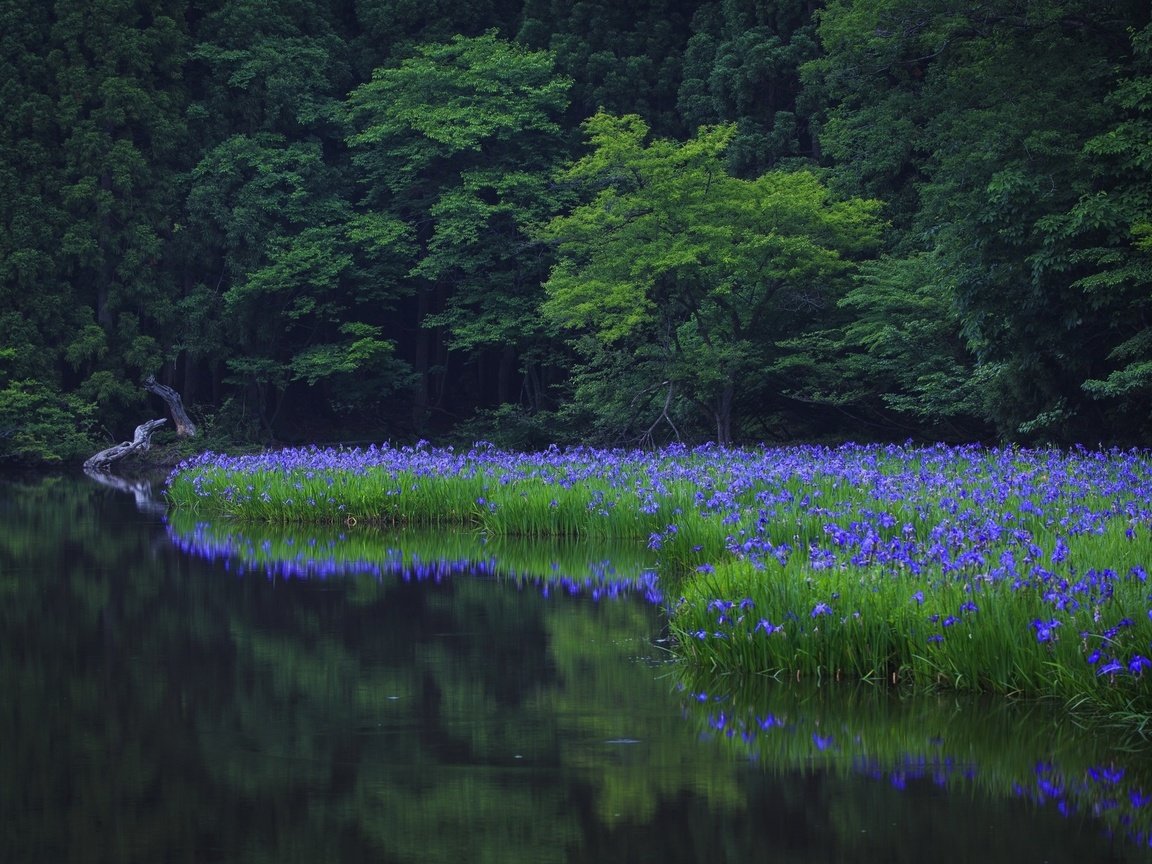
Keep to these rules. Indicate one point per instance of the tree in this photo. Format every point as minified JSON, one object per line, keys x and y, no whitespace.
{"x":458,"y":143}
{"x":1110,"y":232}
{"x":971,"y":119}
{"x":892,"y":357}
{"x":290,"y":303}
{"x":310,"y":283}
{"x":92,"y":129}
{"x":742,"y":65}
{"x":623,"y":56}
{"x":715,"y":270}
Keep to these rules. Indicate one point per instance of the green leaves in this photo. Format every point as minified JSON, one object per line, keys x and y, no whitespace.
{"x":988,"y":129}
{"x":462,"y":96}
{"x":457,"y":144}
{"x":674,"y":248}
{"x":895,"y":354}
{"x":363,"y":349}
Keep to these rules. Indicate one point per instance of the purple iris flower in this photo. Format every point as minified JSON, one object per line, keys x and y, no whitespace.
{"x":767,"y":626}
{"x":822,"y":743}
{"x":1045,"y":630}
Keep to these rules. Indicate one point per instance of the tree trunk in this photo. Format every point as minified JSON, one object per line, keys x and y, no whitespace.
{"x":140,"y":442}
{"x":185,"y":428}
{"x":723,"y":414}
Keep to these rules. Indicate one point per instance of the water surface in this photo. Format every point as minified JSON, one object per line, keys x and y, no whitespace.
{"x":200,"y":692}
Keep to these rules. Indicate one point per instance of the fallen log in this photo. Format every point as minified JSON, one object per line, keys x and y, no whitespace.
{"x":185,"y":428}
{"x":140,"y":442}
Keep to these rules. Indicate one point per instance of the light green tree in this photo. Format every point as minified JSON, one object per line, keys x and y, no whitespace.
{"x":715,"y":270}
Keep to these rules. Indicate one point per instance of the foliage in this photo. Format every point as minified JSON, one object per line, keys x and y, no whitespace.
{"x":897,"y":358}
{"x":713,"y":268}
{"x":331,"y":217}
{"x":973,"y":120}
{"x":1111,"y":233}
{"x":38,"y":424}
{"x":457,"y":143}
{"x":742,"y":66}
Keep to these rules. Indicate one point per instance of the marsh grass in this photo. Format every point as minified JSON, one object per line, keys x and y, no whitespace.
{"x":1011,"y":571}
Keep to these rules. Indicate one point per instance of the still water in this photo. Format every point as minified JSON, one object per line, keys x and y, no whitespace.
{"x":190,"y":692}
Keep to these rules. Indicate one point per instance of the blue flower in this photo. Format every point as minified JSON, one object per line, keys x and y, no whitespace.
{"x":1044,"y":629}
{"x":767,"y":626}
{"x":1111,"y":776}
{"x":821,"y":609}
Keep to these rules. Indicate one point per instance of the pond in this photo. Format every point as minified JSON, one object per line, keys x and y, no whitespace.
{"x":189,"y":691}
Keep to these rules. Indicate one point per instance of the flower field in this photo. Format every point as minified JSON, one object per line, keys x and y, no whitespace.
{"x":1006,"y":570}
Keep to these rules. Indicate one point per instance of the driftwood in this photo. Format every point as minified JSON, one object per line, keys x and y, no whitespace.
{"x":140,"y":442}
{"x":185,"y":428}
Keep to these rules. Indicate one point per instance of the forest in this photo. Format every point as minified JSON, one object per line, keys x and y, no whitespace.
{"x":620,"y":222}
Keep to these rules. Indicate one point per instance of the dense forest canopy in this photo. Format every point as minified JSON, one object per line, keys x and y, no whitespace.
{"x":534,"y":221}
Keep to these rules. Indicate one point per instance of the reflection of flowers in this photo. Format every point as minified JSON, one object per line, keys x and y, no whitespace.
{"x":844,"y":735}
{"x":316,"y":558}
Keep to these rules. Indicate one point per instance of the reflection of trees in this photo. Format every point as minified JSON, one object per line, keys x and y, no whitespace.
{"x":163,"y":704}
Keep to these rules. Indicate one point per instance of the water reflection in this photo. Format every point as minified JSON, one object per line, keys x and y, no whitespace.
{"x":596,"y":569}
{"x":166,"y":706}
{"x":954,"y":744}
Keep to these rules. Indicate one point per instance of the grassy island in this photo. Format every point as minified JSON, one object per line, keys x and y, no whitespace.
{"x":1009,"y":570}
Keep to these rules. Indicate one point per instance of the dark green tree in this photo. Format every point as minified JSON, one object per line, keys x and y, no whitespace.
{"x":624,"y":56}
{"x":93,"y":138}
{"x":742,"y":66}
{"x":288,"y":307}
{"x":895,"y":362}
{"x":972,"y":120}
{"x":458,"y":143}
{"x":1110,"y":233}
